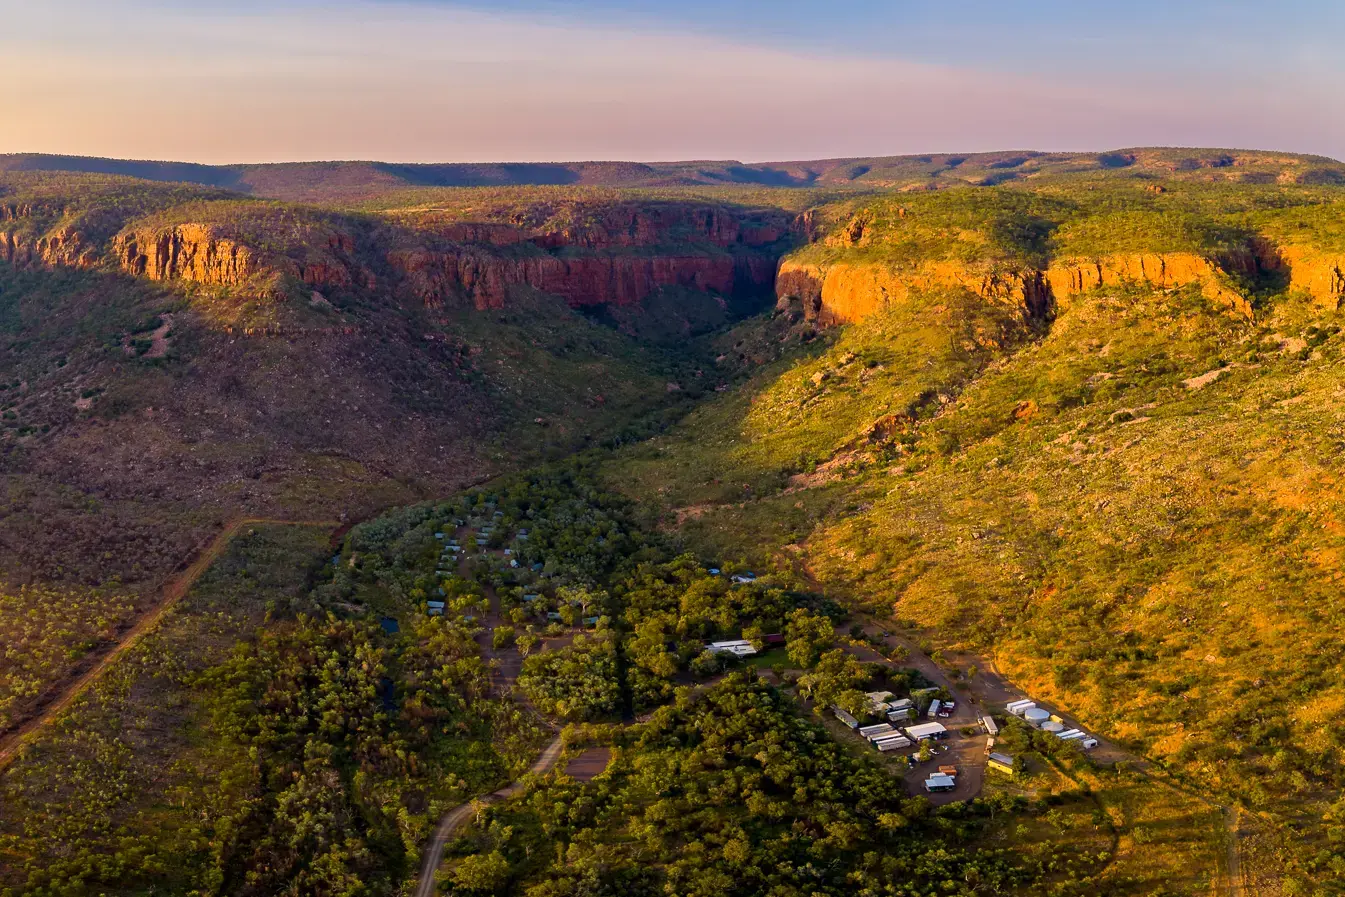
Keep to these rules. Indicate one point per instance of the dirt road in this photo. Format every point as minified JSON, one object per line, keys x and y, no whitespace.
{"x":990,"y":690}
{"x":967,"y":753}
{"x":454,"y":818}
{"x":63,"y":694}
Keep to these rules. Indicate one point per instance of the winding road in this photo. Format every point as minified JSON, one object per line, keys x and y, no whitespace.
{"x":454,"y":818}
{"x":64,"y":693}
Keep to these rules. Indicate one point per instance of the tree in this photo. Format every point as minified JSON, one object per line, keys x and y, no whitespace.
{"x":649,"y":649}
{"x":806,"y":637}
{"x":482,"y":873}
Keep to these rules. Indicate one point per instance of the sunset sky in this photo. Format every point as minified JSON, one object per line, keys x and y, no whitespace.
{"x":660,"y":80}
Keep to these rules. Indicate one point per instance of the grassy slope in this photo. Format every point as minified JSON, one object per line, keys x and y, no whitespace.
{"x":1136,"y":514}
{"x":134,"y":766}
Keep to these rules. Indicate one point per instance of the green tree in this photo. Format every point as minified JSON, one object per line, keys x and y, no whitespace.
{"x":806,"y":637}
{"x":482,"y":873}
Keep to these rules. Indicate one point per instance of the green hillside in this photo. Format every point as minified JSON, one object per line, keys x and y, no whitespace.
{"x":1062,"y":426}
{"x":1128,"y":508}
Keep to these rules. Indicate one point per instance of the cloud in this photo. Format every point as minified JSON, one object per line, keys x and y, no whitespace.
{"x":410,"y":82}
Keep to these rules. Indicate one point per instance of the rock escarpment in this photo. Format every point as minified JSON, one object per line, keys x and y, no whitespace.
{"x":845,"y":292}
{"x":611,"y":254}
{"x":440,"y":277}
{"x":1317,"y":273}
{"x":588,"y":253}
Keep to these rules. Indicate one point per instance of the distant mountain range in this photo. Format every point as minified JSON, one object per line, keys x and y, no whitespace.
{"x":350,"y":181}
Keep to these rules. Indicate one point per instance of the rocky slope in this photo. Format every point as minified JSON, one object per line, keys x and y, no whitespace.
{"x":1035,"y":251}
{"x":846,"y":292}
{"x":205,"y":354}
{"x":604,"y":254}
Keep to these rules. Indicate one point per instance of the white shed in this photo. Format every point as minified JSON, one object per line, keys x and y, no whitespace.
{"x":926,"y":731}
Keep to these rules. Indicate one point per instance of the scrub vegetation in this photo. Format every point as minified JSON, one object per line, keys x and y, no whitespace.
{"x":1068,"y":424}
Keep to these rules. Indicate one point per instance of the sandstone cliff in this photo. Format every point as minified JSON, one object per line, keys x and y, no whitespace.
{"x":588,"y":253}
{"x":593,"y":254}
{"x":482,"y":277}
{"x":1317,"y":273}
{"x":845,"y":292}
{"x":1162,"y":270}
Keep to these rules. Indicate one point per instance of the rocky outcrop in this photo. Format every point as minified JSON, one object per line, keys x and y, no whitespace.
{"x":1161,"y":270}
{"x":845,"y":292}
{"x":197,"y":253}
{"x":595,"y":254}
{"x":589,"y":254}
{"x":189,"y":252}
{"x":484,"y":278}
{"x":65,"y":248}
{"x":630,"y":225}
{"x":1321,"y":275}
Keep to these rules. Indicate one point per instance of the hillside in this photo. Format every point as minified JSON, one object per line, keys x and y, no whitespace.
{"x":1071,"y":432}
{"x":345,"y":182}
{"x":1117,"y":490}
{"x":175,"y":357}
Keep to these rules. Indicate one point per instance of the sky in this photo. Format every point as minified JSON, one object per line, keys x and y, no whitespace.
{"x":662,"y":80}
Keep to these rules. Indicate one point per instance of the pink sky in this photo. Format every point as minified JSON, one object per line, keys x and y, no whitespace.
{"x":140,"y":79}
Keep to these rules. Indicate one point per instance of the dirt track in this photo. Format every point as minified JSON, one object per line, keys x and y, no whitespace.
{"x":453,"y":819}
{"x":64,"y":693}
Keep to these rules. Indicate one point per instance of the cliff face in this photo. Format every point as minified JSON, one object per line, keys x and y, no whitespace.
{"x":628,"y":226}
{"x":590,"y":254}
{"x":24,"y":244}
{"x":190,"y":252}
{"x":1319,"y":274}
{"x":60,"y":248}
{"x":198,"y":253}
{"x":1161,"y":270}
{"x":847,"y":292}
{"x":617,"y":255}
{"x":439,"y":277}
